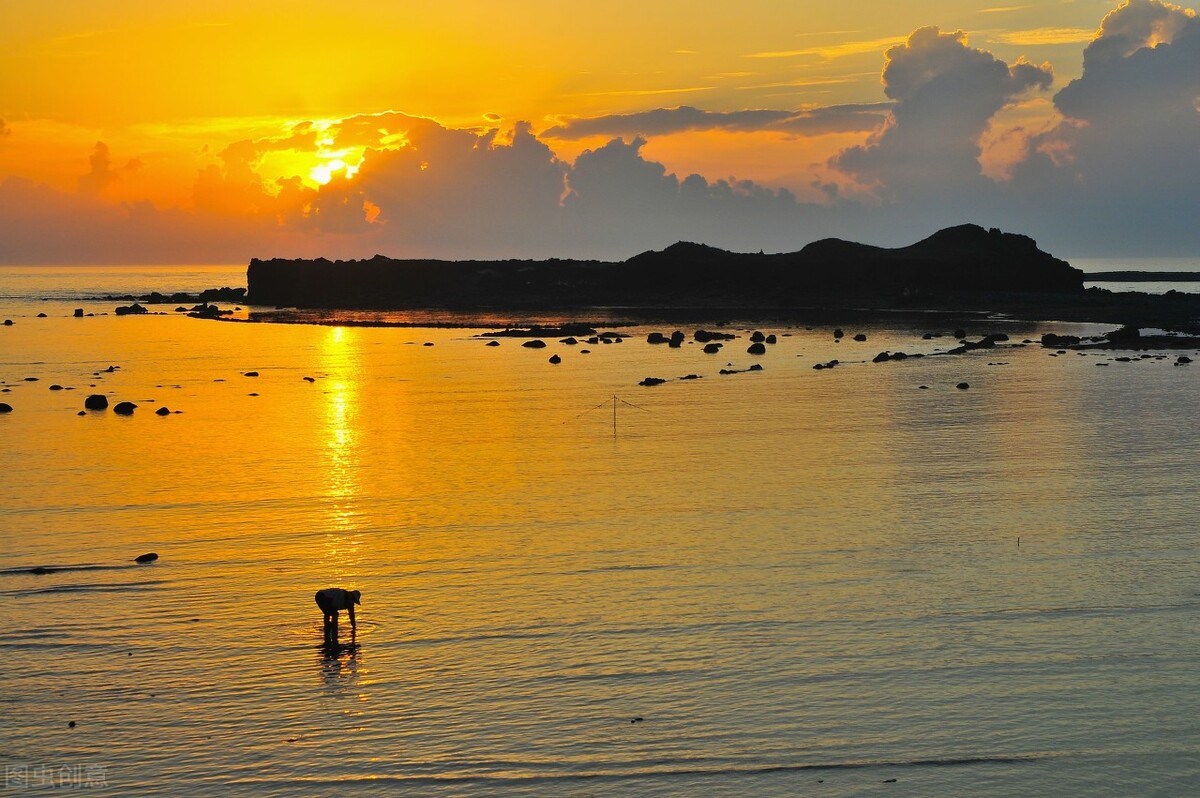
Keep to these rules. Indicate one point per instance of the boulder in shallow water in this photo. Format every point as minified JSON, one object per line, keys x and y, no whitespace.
{"x":5,"y":407}
{"x":839,"y":333}
{"x":96,"y":401}
{"x":41,"y":315}
{"x":757,"y":337}
{"x":757,"y":349}
{"x":712,"y":349}
{"x":555,"y":360}
{"x":79,"y":313}
{"x":492,"y":343}
{"x":145,"y":558}
{"x":162,"y":411}
{"x":962,"y":386}
{"x":124,"y":408}
{"x":652,"y":381}
{"x":536,"y":343}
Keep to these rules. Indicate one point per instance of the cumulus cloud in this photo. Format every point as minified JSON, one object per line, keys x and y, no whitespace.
{"x":1126,"y":155}
{"x":856,"y":118}
{"x":945,"y":95}
{"x":1114,"y":169}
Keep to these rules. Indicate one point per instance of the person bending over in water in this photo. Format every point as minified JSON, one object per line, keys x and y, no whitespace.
{"x":333,"y":599}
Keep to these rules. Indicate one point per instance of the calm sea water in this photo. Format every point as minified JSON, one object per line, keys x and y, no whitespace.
{"x":801,"y":582}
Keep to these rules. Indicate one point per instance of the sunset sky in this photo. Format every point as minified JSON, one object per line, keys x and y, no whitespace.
{"x":138,"y":132}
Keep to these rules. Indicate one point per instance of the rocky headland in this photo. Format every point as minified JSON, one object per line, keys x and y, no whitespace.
{"x":963,"y":269}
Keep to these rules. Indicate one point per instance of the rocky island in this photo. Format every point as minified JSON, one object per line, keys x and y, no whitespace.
{"x":966,"y":268}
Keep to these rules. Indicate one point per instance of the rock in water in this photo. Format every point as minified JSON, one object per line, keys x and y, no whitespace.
{"x":652,"y":381}
{"x":712,"y":349}
{"x":860,"y":337}
{"x":536,"y":343}
{"x":962,"y":386}
{"x":757,"y":349}
{"x":145,"y":558}
{"x":79,"y":313}
{"x":124,"y":408}
{"x":96,"y":401}
{"x":5,"y":407}
{"x":162,"y":411}
{"x":555,"y":359}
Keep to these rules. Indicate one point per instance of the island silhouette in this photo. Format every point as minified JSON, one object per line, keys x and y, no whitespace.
{"x":964,"y":268}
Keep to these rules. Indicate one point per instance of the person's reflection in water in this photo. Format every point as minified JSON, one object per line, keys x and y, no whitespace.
{"x":339,"y":665}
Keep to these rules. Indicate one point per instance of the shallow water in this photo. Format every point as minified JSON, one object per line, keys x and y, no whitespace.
{"x":803,"y":582}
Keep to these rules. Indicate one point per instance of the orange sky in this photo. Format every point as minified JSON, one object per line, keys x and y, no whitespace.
{"x":175,"y":92}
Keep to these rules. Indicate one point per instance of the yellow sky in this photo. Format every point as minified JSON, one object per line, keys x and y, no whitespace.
{"x":238,"y":110}
{"x":171,"y":84}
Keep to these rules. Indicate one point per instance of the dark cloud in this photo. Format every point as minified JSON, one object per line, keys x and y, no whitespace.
{"x":946,"y":94}
{"x":1122,"y":165}
{"x":101,"y":174}
{"x":858,"y":118}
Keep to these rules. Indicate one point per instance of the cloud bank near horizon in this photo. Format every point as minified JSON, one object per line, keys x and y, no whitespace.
{"x":1113,"y":171}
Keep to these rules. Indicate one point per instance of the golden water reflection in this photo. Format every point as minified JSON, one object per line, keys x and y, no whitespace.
{"x":340,"y":360}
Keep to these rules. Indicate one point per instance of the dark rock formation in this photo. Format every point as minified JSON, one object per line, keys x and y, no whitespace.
{"x":124,"y":408}
{"x":145,"y":558}
{"x":839,"y":333}
{"x":967,"y":258}
{"x":493,"y":343}
{"x":555,"y":359}
{"x":127,"y":310}
{"x":1052,"y":341}
{"x":962,"y":386}
{"x":704,"y":336}
{"x":96,"y":401}
{"x":656,"y":338}
{"x":41,"y":315}
{"x":79,"y":313}
{"x":5,"y":407}
{"x":652,"y":381}
{"x":162,"y":411}
{"x":250,"y":374}
{"x":771,"y":339}
{"x":536,"y":343}
{"x":712,"y":349}
{"x":860,"y":337}
{"x":757,"y":349}
{"x":757,"y":337}
{"x":56,"y":387}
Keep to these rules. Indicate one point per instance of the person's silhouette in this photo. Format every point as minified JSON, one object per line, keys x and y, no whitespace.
{"x":331,"y":600}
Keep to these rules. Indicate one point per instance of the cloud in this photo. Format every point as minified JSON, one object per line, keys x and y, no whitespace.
{"x":945,"y":95}
{"x":832,"y":51}
{"x":5,"y":130}
{"x":1125,"y":157}
{"x":102,"y":175}
{"x":662,"y":121}
{"x":1036,"y":37}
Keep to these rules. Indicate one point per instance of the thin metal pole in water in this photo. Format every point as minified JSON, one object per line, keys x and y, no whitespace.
{"x":614,"y":415}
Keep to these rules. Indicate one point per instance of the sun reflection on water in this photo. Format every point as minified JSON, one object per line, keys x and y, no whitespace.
{"x":340,"y":359}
